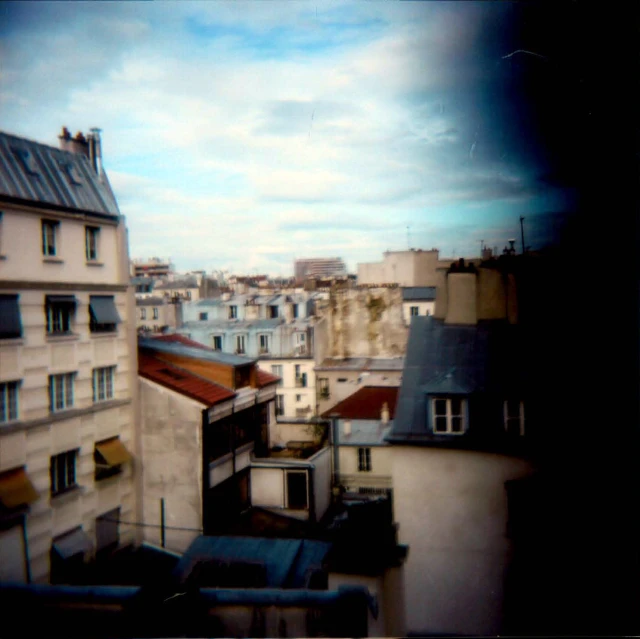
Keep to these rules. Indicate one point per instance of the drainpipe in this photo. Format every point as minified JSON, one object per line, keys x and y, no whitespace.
{"x":27,"y":561}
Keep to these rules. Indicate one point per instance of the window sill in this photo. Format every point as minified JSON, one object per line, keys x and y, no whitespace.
{"x":60,"y":411}
{"x":52,"y":260}
{"x":94,"y":263}
{"x":12,"y":341}
{"x":64,"y":496}
{"x":62,"y":337}
{"x":99,"y":334}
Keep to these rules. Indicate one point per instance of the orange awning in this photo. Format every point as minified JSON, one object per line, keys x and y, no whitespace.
{"x":113,"y":451}
{"x":16,"y":489}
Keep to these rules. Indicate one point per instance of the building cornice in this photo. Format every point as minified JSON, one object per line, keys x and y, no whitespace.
{"x":31,"y":285}
{"x":45,"y":208}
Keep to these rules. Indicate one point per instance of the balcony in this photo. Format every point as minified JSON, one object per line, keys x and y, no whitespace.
{"x":323,"y":393}
{"x":301,"y":381}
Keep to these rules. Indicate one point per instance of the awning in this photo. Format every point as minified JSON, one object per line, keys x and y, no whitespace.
{"x":104,"y":310}
{"x":10,"y":325}
{"x":113,"y":452}
{"x":16,"y":489}
{"x":73,"y":543}
{"x":61,"y":299}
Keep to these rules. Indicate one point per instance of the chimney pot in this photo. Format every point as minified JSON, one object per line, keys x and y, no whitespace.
{"x":384,"y":413}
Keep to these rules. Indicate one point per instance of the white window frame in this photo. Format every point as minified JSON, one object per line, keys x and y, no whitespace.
{"x":68,"y":460}
{"x":278,"y":371}
{"x":91,"y":238}
{"x":279,"y":405}
{"x":9,"y":405}
{"x":412,"y":309}
{"x":61,"y":391}
{"x":519,"y":418}
{"x":219,"y":337}
{"x":449,"y":415}
{"x":233,"y":312}
{"x":264,"y":338}
{"x":364,"y":460}
{"x":58,"y":315}
{"x":103,"y":383}
{"x":241,"y":340}
{"x":155,"y":312}
{"x":49,"y":238}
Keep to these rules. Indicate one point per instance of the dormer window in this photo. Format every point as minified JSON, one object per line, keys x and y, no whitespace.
{"x":514,"y":417}
{"x":449,"y":415}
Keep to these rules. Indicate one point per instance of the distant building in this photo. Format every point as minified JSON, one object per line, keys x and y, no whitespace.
{"x":404,"y":268}
{"x":418,"y":300}
{"x":67,"y":358}
{"x":155,"y":314}
{"x":180,"y":289}
{"x":151,"y":267}
{"x":319,"y":267}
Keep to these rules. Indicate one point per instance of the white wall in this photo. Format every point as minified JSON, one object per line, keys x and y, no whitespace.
{"x":267,"y":487}
{"x":451,"y":508}
{"x":322,"y":480}
{"x":424,"y":308}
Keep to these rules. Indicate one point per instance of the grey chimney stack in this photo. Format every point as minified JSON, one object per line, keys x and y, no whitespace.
{"x":95,"y":150}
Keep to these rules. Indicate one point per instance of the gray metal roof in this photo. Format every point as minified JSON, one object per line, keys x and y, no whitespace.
{"x":451,"y":359}
{"x":364,"y":432}
{"x":151,"y":301}
{"x":233,"y":325}
{"x":361,"y":364}
{"x":196,"y":353}
{"x":287,"y":562}
{"x":187,"y":282}
{"x":35,"y":173}
{"x":419,"y":293}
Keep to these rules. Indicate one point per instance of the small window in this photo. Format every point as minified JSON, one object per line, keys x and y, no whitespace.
{"x":204,"y":317}
{"x":414,"y":310}
{"x":240,"y":344}
{"x":295,"y":311}
{"x":62,"y":472}
{"x":8,"y":401}
{"x":103,"y":383}
{"x":143,"y":313}
{"x":298,"y":398}
{"x":323,"y":388}
{"x":217,"y":342}
{"x":364,"y":459}
{"x":91,"y":242}
{"x":342,"y":380}
{"x":61,"y":391}
{"x":10,"y":324}
{"x":155,"y":313}
{"x":514,"y":417}
{"x":264,"y":344}
{"x":103,"y":315}
{"x":109,"y":457}
{"x":233,"y":312}
{"x":272,"y":312}
{"x":59,"y":311}
{"x":448,"y":416}
{"x":279,"y":404}
{"x":49,"y":232}
{"x":276,"y":369}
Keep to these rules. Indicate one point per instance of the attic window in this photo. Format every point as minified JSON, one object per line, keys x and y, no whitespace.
{"x":69,"y":170}
{"x":26,"y":160}
{"x":448,"y":416}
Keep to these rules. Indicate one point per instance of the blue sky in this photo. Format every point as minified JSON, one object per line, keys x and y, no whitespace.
{"x":240,"y":135}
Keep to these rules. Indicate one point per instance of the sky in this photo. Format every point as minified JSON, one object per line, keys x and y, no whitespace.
{"x":239,"y":136}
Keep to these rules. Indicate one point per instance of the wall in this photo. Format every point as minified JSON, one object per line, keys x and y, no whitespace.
{"x":166,"y":316}
{"x":288,"y":388}
{"x":322,"y":480}
{"x":267,"y":487}
{"x":381,"y":468}
{"x":171,"y":430}
{"x":405,"y":268}
{"x":452,"y":512}
{"x":281,"y":433}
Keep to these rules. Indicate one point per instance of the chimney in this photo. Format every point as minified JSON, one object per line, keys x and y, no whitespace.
{"x":384,"y":413}
{"x":95,"y":150}
{"x":77,"y":144}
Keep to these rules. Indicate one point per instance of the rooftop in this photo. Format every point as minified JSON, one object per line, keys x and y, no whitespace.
{"x":419,"y":293}
{"x":366,"y":403}
{"x":188,"y":348}
{"x":150,"y":301}
{"x":358,"y":364}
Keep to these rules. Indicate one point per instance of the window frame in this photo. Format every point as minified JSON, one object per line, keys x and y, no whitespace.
{"x":241,"y":350}
{"x":143,"y":313}
{"x":279,"y":405}
{"x":412,"y":309}
{"x":155,"y":313}
{"x":220,"y":339}
{"x":233,"y":312}
{"x":9,"y":400}
{"x":49,"y":244}
{"x":91,"y":240}
{"x":103,"y":383}
{"x":203,"y":317}
{"x":364,"y":459}
{"x":97,"y":327}
{"x":61,"y":386}
{"x":58,"y":314}
{"x":449,"y":415}
{"x":519,"y":419}
{"x":68,"y":459}
{"x":323,"y":388}
{"x":263,"y":338}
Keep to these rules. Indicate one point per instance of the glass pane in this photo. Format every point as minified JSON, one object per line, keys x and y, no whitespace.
{"x":456,"y":406}
{"x":69,"y":390}
{"x":60,"y":472}
{"x":456,"y":424}
{"x":440,"y":406}
{"x":59,"y":390}
{"x":441,"y":425}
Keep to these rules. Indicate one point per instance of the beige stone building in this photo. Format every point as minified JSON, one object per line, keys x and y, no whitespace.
{"x":67,"y":361}
{"x":155,"y":314}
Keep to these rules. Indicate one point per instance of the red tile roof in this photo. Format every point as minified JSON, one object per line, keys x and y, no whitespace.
{"x":263,"y":378}
{"x":181,"y":339}
{"x":366,"y":403}
{"x":181,"y":381}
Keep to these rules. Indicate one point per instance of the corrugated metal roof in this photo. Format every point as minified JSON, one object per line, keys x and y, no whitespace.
{"x":366,"y":403}
{"x":31,"y":172}
{"x":181,"y":381}
{"x":419,"y":293}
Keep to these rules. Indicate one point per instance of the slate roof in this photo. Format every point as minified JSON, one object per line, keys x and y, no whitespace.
{"x":287,"y":562}
{"x":227,"y":325}
{"x":34,"y":173}
{"x":364,"y":432}
{"x":181,"y":381}
{"x":419,"y":293}
{"x":366,"y":403}
{"x":484,"y":359}
{"x":361,"y":364}
{"x":194,"y":350}
{"x":188,"y":282}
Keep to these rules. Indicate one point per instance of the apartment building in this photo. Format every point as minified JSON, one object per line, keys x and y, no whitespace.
{"x":67,"y":361}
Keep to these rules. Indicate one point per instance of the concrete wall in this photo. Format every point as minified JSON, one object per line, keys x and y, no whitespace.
{"x":171,"y":430}
{"x":282,"y":432}
{"x":451,"y":507}
{"x":405,"y":268}
{"x":267,"y":487}
{"x":462,"y":299}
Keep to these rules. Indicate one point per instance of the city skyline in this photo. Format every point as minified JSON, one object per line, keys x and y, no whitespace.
{"x":242,"y":136}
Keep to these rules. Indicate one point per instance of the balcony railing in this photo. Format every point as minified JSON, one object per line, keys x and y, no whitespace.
{"x":323,"y":393}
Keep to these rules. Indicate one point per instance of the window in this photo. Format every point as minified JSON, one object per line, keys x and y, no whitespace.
{"x":514,"y":417}
{"x":233,"y":312}
{"x":448,"y":416}
{"x":295,"y":311}
{"x":61,"y":391}
{"x":279,"y":404}
{"x":109,"y":457}
{"x":414,"y":310}
{"x":297,"y":498}
{"x":217,"y":342}
{"x":342,"y":380}
{"x":298,"y":398}
{"x":364,"y":459}
{"x":240,"y":342}
{"x":155,"y":313}
{"x":10,"y":325}
{"x":204,"y":317}
{"x":143,"y":313}
{"x":107,"y":537}
{"x":301,"y":338}
{"x":62,"y":472}
{"x":276,"y":369}
{"x":103,"y":383}
{"x":272,"y":312}
{"x":301,"y":378}
{"x":323,"y":388}
{"x":8,"y":401}
{"x":264,"y":343}
{"x":59,"y":310}
{"x":91,"y":242}
{"x":103,"y":315}
{"x":49,"y":230}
